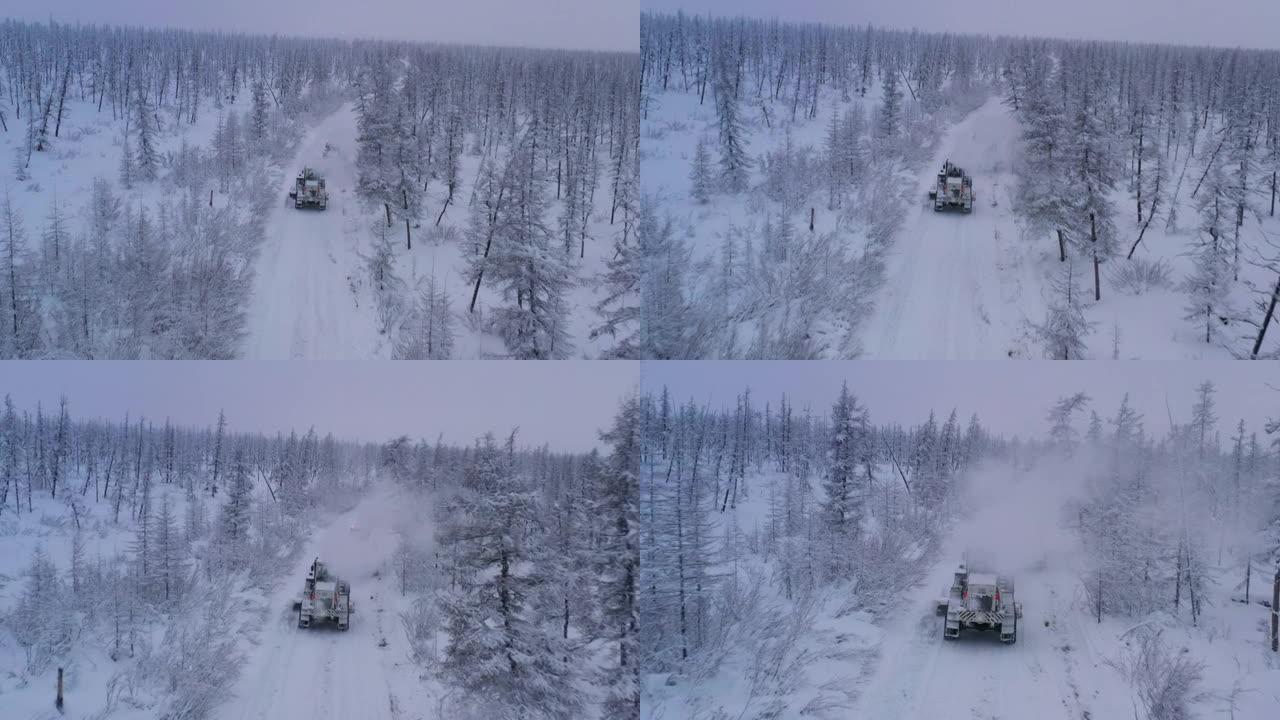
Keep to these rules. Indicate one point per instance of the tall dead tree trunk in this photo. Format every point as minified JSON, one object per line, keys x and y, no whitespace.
{"x":1209,"y":165}
{"x":1266,"y":319}
{"x":62,"y":97}
{"x":488,"y":243}
{"x":1275,"y":613}
{"x":1177,"y":583}
{"x":1138,"y":184}
{"x":1155,"y":201}
{"x":444,"y":207}
{"x":1097,"y":275}
{"x":1273,"y":193}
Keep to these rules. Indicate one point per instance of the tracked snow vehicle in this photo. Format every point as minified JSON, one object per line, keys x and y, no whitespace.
{"x":309,"y":191}
{"x":324,"y":599}
{"x":980,"y":601}
{"x":954,"y":190}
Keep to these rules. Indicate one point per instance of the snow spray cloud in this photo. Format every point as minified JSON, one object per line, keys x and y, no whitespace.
{"x":1015,"y":512}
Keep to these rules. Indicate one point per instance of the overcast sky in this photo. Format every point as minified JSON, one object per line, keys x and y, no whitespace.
{"x":560,"y":403}
{"x":585,"y":24}
{"x":1011,"y":398}
{"x":1230,"y":23}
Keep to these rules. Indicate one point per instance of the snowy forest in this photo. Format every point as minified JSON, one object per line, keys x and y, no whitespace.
{"x":789,"y":558}
{"x":550,"y":210}
{"x":126,"y":588}
{"x":1125,"y":194}
{"x":531,"y":579}
{"x":143,"y":210}
{"x":163,"y":593}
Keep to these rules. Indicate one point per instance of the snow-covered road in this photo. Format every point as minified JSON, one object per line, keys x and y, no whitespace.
{"x":307,"y":299}
{"x":953,"y":289}
{"x":921,"y":677}
{"x":1057,"y":668}
{"x":294,"y":674}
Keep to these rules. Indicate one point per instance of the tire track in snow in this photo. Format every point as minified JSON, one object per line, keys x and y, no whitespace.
{"x":295,"y":674}
{"x":304,"y":304}
{"x":946,"y":277}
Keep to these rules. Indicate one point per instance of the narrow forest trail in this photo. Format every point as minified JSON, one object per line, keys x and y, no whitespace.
{"x":919,"y":676}
{"x":308,"y":299}
{"x":952,"y":289}
{"x":295,"y":674}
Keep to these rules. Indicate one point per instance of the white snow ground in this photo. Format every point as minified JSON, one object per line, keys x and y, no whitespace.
{"x":308,"y":300}
{"x":295,"y":674}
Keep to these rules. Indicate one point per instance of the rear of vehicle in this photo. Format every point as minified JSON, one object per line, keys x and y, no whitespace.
{"x":953,"y":191}
{"x":309,"y":191}
{"x":981,"y":601}
{"x":329,"y":602}
{"x":324,"y":599}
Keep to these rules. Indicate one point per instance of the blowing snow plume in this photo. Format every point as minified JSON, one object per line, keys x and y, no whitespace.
{"x":1014,"y":515}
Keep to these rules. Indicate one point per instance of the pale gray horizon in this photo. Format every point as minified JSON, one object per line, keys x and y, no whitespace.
{"x":1222,"y":23}
{"x":1010,"y":398}
{"x":562,"y":404}
{"x":568,"y":24}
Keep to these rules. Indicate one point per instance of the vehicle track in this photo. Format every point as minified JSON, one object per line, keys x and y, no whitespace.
{"x":304,"y":304}
{"x":949,"y":291}
{"x":296,"y":674}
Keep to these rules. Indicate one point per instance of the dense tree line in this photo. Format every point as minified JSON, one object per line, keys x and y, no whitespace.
{"x":794,"y":277}
{"x":1167,"y":518}
{"x":1116,"y":138}
{"x":838,"y":498}
{"x":108,"y":276}
{"x":1169,"y":127}
{"x":556,"y":137}
{"x":532,"y":578}
{"x":556,"y":134}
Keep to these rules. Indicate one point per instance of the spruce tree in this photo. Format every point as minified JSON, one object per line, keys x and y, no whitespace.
{"x":734,"y":163}
{"x":1093,"y":168}
{"x":700,"y":178}
{"x":617,"y":560}
{"x":507,"y":665}
{"x":890,"y":106}
{"x":19,"y":302}
{"x":1065,"y":327}
{"x":170,"y":553}
{"x":1208,"y":285}
{"x":427,"y":334}
{"x":664,"y":263}
{"x":841,"y":504}
{"x":259,"y":115}
{"x":620,"y":308}
{"x":234,"y":524}
{"x":533,"y":275}
{"x":144,"y":121}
